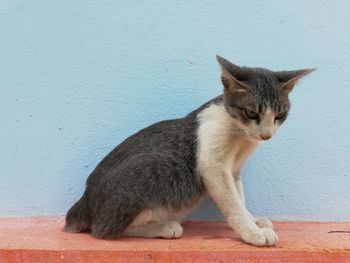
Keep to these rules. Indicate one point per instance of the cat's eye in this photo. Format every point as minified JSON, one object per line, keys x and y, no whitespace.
{"x":281,"y":116}
{"x":251,"y":114}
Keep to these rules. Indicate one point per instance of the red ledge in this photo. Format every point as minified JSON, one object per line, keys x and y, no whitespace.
{"x":41,"y":239}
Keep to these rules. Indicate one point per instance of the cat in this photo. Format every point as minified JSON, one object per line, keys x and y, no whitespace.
{"x":146,"y":185}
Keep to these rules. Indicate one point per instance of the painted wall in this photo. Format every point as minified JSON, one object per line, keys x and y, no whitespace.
{"x":78,"y":77}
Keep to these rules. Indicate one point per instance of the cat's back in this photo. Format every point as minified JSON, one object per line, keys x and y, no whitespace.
{"x":175,"y":138}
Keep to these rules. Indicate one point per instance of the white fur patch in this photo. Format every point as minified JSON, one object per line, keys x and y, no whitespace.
{"x":223,"y":147}
{"x":222,"y":141}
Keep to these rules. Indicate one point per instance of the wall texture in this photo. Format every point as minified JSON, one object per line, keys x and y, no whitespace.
{"x":78,"y":77}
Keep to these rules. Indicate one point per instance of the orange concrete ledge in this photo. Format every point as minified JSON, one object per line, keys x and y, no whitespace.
{"x":42,"y":240}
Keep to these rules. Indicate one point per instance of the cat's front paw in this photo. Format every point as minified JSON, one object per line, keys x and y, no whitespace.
{"x":263,"y":222}
{"x":261,"y":237}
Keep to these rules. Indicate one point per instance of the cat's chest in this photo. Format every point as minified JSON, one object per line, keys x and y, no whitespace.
{"x":219,"y":146}
{"x":237,"y":155}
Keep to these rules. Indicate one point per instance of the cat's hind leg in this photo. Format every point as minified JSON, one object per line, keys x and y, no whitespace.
{"x":137,"y":195}
{"x":156,"y":222}
{"x":162,"y":229}
{"x":114,"y":217}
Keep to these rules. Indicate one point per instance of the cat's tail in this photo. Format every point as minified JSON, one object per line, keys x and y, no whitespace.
{"x":78,"y":217}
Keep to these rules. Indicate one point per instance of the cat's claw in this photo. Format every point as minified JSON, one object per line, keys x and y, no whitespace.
{"x":263,"y":222}
{"x":262,"y":237}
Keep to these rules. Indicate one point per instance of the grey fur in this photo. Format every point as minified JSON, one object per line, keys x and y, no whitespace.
{"x":156,"y":167}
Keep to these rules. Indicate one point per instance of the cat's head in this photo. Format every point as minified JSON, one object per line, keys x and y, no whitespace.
{"x":257,"y":98}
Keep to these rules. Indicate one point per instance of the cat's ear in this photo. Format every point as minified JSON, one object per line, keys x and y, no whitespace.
{"x":288,"y":79}
{"x":229,"y":75}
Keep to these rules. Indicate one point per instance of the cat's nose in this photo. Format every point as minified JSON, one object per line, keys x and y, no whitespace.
{"x":265,"y":137}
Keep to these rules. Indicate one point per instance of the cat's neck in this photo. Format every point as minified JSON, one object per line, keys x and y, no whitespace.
{"x":220,"y":139}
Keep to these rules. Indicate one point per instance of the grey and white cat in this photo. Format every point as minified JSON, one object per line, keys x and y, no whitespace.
{"x":149,"y":182}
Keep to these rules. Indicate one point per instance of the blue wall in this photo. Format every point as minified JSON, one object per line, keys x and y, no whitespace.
{"x":78,"y":77}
